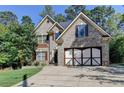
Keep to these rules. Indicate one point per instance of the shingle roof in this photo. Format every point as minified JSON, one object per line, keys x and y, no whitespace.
{"x":65,"y":24}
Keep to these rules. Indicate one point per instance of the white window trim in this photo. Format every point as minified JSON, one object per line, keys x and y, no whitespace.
{"x":43,"y":58}
{"x":84,"y":31}
{"x":42,"y":37}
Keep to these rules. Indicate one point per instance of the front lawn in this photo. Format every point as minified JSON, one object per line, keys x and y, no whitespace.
{"x":11,"y":77}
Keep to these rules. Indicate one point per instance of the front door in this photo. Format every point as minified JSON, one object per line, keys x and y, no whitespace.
{"x":56,"y":57}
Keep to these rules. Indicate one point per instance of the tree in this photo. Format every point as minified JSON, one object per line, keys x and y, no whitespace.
{"x":100,"y":14}
{"x":26,"y":20}
{"x":17,"y":41}
{"x":112,"y":24}
{"x":28,"y":39}
{"x":20,"y":41}
{"x":3,"y":31}
{"x":121,"y":24}
{"x":117,"y":49}
{"x":4,"y":56}
{"x":6,"y":17}
{"x":12,"y":41}
{"x":60,"y":18}
{"x":74,"y":10}
{"x":47,"y":10}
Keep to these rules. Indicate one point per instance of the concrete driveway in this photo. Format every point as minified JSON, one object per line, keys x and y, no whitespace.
{"x":61,"y":76}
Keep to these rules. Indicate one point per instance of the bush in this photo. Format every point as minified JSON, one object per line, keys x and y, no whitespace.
{"x":117,"y":49}
{"x":14,"y":65}
{"x":36,"y":63}
{"x":42,"y":64}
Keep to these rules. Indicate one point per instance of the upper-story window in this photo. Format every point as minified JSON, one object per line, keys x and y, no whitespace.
{"x":81,"y":31}
{"x":57,"y":35}
{"x":43,"y":38}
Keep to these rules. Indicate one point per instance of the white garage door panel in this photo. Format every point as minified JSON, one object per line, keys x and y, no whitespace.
{"x":86,"y":63}
{"x":77,"y":57}
{"x":68,"y":61}
{"x":68,"y":56}
{"x":86,"y":53}
{"x":77,"y":62}
{"x":68,"y":53}
{"x":77,"y":53}
{"x":95,"y":52}
{"x":96,"y":61}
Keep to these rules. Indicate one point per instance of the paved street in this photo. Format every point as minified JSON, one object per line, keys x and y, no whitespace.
{"x":62,"y":76}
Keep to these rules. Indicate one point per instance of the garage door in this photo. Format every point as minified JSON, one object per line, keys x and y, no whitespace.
{"x":83,"y":56}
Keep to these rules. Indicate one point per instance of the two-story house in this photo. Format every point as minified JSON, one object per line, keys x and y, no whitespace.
{"x":79,"y":42}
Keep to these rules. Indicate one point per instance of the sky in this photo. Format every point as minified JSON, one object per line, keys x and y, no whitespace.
{"x":34,"y":10}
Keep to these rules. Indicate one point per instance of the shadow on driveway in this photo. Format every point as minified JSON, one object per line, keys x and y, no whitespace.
{"x":112,"y":75}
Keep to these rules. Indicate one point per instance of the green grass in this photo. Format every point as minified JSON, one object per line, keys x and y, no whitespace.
{"x":11,"y":77}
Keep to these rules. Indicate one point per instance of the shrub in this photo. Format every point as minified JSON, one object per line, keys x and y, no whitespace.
{"x":36,"y":63}
{"x":117,"y":49}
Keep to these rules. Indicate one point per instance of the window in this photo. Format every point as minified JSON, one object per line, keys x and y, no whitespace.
{"x":41,"y":56}
{"x":43,"y":38}
{"x":39,"y":39}
{"x":57,"y":35}
{"x":81,"y":31}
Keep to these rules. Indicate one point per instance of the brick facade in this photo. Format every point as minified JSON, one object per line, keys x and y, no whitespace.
{"x":94,"y":39}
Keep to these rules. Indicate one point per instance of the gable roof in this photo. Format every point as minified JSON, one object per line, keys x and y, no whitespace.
{"x":90,"y":21}
{"x":47,"y":16}
{"x":56,"y":24}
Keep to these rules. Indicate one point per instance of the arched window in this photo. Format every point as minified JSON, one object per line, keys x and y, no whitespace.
{"x":81,"y":31}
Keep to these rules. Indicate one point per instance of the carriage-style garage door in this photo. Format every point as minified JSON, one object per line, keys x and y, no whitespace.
{"x":83,"y":56}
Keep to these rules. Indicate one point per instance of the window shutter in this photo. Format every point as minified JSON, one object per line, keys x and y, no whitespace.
{"x":86,"y":30}
{"x":53,"y":37}
{"x":76,"y":33}
{"x":45,"y":55}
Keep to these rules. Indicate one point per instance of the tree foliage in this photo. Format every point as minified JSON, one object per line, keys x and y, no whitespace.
{"x":121,"y":24}
{"x":17,"y":41}
{"x":47,"y":10}
{"x":28,"y":38}
{"x":59,"y":18}
{"x":26,"y":20}
{"x":73,"y":11}
{"x":112,"y":24}
{"x":6,"y":17}
{"x":100,"y":14}
{"x":117,"y":49}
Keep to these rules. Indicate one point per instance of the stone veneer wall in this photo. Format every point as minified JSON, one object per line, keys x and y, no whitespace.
{"x":53,"y":44}
{"x":42,"y":30}
{"x":94,"y":39}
